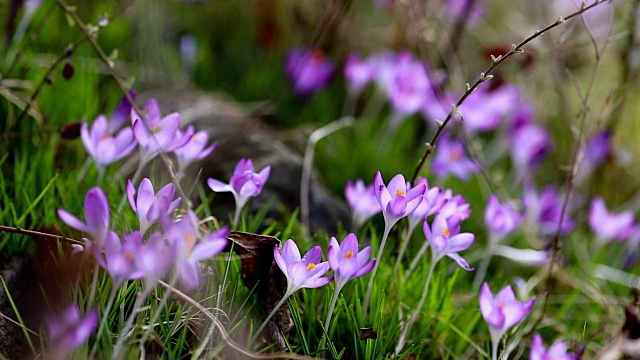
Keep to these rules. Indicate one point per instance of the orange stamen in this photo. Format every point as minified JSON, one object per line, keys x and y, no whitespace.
{"x":348,"y":255}
{"x":311,"y":266}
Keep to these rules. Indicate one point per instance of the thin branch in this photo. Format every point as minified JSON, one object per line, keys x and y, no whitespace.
{"x":18,"y":230}
{"x":486,"y":76}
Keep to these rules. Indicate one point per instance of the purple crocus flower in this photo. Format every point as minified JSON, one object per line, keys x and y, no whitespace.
{"x":244,"y":183}
{"x":409,"y":87}
{"x":358,"y":73}
{"x":309,"y":70}
{"x":96,"y":213}
{"x":455,"y":206}
{"x":346,"y":261}
{"x":544,"y":211}
{"x":596,"y":150}
{"x":457,"y":8}
{"x":151,"y":206}
{"x":156,"y":134}
{"x":118,"y":257}
{"x":446,"y":240}
{"x":501,"y":312}
{"x":305,"y":272}
{"x":557,"y":351}
{"x":154,"y":258}
{"x":102,"y":146}
{"x":450,"y":158}
{"x":362,"y":200}
{"x":501,"y":219}
{"x":529,"y":142}
{"x":67,"y":331}
{"x":192,"y":247}
{"x":194,"y":149}
{"x":607,"y":225}
{"x":396,"y":202}
{"x":484,"y":110}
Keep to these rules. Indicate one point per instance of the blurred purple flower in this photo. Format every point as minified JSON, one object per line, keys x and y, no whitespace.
{"x":596,"y":150}
{"x":244,"y":183}
{"x":347,"y":262}
{"x":484,"y":110}
{"x":455,"y":206}
{"x":473,"y":10}
{"x":450,"y":158}
{"x":557,"y":351}
{"x":148,"y":205}
{"x":607,"y":225}
{"x":156,"y":134}
{"x":191,"y":246}
{"x":529,"y":143}
{"x":502,"y":312}
{"x":544,"y":211}
{"x":154,"y":258}
{"x":396,"y":202}
{"x":309,"y":70}
{"x":68,"y":331}
{"x":409,"y":87}
{"x":501,"y":219}
{"x":118,"y":257}
{"x":96,"y":213}
{"x":446,"y":240}
{"x":358,"y":73}
{"x":104,"y":148}
{"x":121,"y":113}
{"x":362,"y":200}
{"x":303,"y":272}
{"x":194,"y":150}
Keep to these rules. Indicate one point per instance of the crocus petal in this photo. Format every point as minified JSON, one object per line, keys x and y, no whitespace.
{"x":496,"y":318}
{"x":486,"y":300}
{"x":462,"y":262}
{"x":398,"y":186}
{"x":72,"y":221}
{"x":505,"y":295}
{"x":290,"y":252}
{"x":218,"y":186}
{"x":188,"y":272}
{"x":314,"y":255}
{"x":207,"y":249}
{"x":280,"y":261}
{"x":332,"y":254}
{"x":83,"y":330}
{"x":131,"y":192}
{"x":364,"y":270}
{"x":460,"y":242}
{"x":396,"y":207}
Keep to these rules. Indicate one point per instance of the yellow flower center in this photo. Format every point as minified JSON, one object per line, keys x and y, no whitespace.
{"x":501,"y":304}
{"x":104,"y":137}
{"x":348,"y":255}
{"x":156,"y":129}
{"x":400,"y":193}
{"x":129,"y":256}
{"x":155,"y":198}
{"x":311,"y":266}
{"x":445,"y":232}
{"x":455,"y":155}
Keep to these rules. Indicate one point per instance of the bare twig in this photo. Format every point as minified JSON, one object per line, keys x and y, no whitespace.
{"x":22,"y":231}
{"x":486,"y":75}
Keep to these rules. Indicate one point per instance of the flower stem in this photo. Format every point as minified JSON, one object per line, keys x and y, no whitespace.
{"x":129,"y":323}
{"x":327,"y":321}
{"x":266,"y":321}
{"x":417,"y":258}
{"x":494,"y":349}
{"x":414,"y":315}
{"x":403,"y":248}
{"x":367,"y":296}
